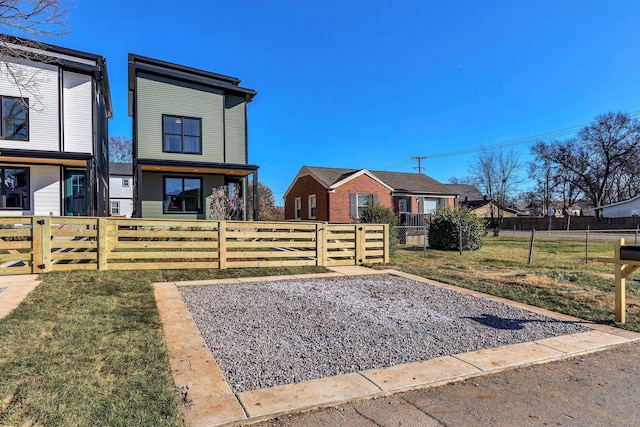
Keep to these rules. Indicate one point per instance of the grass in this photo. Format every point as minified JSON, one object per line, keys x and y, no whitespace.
{"x":86,"y":348}
{"x":558,"y":278}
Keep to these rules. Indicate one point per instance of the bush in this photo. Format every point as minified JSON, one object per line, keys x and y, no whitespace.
{"x":444,"y":230}
{"x":373,"y":213}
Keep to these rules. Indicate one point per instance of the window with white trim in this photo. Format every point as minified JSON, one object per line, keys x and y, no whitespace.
{"x":298,"y":207}
{"x":312,"y":206}
{"x":126,"y":182}
{"x":115,"y":208}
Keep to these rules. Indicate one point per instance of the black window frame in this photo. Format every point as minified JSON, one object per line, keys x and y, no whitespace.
{"x":183,"y":211}
{"x":182,"y":135}
{"x":25,"y":102}
{"x":2,"y":189}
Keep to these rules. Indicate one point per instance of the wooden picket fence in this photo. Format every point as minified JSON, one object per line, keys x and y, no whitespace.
{"x":42,"y":243}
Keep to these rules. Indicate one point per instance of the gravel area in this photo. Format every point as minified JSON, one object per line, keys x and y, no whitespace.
{"x":273,"y":333}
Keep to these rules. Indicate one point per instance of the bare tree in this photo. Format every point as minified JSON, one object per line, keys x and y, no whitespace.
{"x":496,"y":173}
{"x":120,"y":149}
{"x":25,"y":24}
{"x":602,"y":161}
{"x":267,"y":209}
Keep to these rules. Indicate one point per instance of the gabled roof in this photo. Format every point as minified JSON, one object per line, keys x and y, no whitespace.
{"x":477,"y":204}
{"x":398,"y":182}
{"x":617,"y":203}
{"x":466,"y":191}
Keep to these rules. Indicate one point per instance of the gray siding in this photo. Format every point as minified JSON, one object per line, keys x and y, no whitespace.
{"x":157,"y":96}
{"x":235,"y":129}
{"x":152,"y":188}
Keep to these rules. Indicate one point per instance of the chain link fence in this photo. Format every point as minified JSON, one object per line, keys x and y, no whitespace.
{"x":413,"y":238}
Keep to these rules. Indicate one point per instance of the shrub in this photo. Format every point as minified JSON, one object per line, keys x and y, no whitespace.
{"x":444,"y":230}
{"x":374,"y":213}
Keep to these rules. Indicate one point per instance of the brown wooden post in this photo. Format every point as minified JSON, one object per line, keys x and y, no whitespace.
{"x":103,"y":243}
{"x":321,"y":245}
{"x":385,"y":233}
{"x":620,"y":285}
{"x":361,"y":256}
{"x":222,"y":245}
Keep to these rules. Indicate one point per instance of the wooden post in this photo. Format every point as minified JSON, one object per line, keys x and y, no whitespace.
{"x":620,"y":285}
{"x":103,"y":243}
{"x":386,"y":238}
{"x":36,"y":245}
{"x":361,"y":256}
{"x":222,"y":245}
{"x":321,"y":245}
{"x":533,"y":236}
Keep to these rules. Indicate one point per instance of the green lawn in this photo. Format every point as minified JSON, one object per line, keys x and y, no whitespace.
{"x":86,"y":349}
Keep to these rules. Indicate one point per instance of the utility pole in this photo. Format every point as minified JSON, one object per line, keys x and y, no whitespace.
{"x":419,"y":159}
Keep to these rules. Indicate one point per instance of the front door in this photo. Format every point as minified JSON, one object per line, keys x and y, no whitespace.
{"x":75,"y":198}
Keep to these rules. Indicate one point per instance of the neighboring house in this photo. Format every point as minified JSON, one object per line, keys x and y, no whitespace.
{"x":466,"y":192}
{"x":189,"y":136}
{"x":121,"y":189}
{"x":53,"y":133}
{"x":339,"y":195}
{"x":625,"y":208}
{"x":489,"y":208}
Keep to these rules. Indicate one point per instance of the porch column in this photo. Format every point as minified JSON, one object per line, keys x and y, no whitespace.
{"x":255,"y":195}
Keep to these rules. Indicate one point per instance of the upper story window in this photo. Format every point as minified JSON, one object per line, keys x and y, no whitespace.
{"x":312,"y":206}
{"x":298,"y":207}
{"x":181,"y":134}
{"x":15,"y":118}
{"x":126,"y":182}
{"x":14,"y":188}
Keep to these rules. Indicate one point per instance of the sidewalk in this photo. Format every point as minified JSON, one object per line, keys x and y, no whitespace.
{"x":16,"y":289}
{"x":598,"y":389}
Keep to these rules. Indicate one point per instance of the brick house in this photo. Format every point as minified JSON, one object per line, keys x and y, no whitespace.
{"x":338,"y":195}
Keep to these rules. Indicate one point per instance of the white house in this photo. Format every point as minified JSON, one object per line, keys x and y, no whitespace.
{"x":121,"y":189}
{"x":626,"y":208}
{"x":53,"y":132}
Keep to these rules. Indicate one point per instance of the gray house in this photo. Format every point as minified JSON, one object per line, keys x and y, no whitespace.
{"x":189,"y":136}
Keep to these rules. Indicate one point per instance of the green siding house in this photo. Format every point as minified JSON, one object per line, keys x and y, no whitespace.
{"x":189,"y":136}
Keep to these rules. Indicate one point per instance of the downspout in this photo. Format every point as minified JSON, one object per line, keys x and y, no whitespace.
{"x":255,"y":195}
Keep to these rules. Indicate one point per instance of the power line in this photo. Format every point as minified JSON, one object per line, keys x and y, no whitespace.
{"x":419,"y":159}
{"x":520,"y":141}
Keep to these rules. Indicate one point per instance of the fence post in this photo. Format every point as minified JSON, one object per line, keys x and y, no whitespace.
{"x":222,"y":245}
{"x":620,"y":310}
{"x":586,"y":246}
{"x":103,"y":243}
{"x":636,"y":241}
{"x":386,"y":246}
{"x":533,"y":235}
{"x":321,"y":245}
{"x":360,"y":237}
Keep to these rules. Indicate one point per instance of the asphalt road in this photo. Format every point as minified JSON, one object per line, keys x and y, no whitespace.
{"x":598,"y":389}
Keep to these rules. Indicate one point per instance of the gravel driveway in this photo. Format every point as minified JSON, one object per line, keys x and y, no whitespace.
{"x":273,"y":333}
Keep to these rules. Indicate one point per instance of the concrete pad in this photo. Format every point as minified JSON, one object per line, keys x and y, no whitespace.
{"x":630,"y":335}
{"x":317,"y":275}
{"x":337,"y":416}
{"x":584,"y":342}
{"x":394,"y":411}
{"x":17,"y":288}
{"x":416,"y":374}
{"x":211,"y":401}
{"x":507,"y":356}
{"x":355,"y":270}
{"x":203,"y":282}
{"x":306,"y":395}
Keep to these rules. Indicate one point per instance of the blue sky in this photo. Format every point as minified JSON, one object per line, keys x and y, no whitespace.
{"x":368,"y":84}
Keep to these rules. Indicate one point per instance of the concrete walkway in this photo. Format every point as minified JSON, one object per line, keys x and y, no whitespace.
{"x":16,"y":289}
{"x":210,"y":401}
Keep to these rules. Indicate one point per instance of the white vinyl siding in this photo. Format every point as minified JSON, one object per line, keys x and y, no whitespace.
{"x":43,"y":103}
{"x":77,"y":116}
{"x":117,"y":190}
{"x":126,"y":207}
{"x":44,"y":186}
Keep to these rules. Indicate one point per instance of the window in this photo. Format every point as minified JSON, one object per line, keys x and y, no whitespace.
{"x":181,"y":134}
{"x":312,"y":206}
{"x":14,"y":188}
{"x":298,"y":207}
{"x":126,"y":182}
{"x":357,"y":202}
{"x":182,"y":195}
{"x":15,"y":118}
{"x":363,"y":201}
{"x":115,"y":208}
